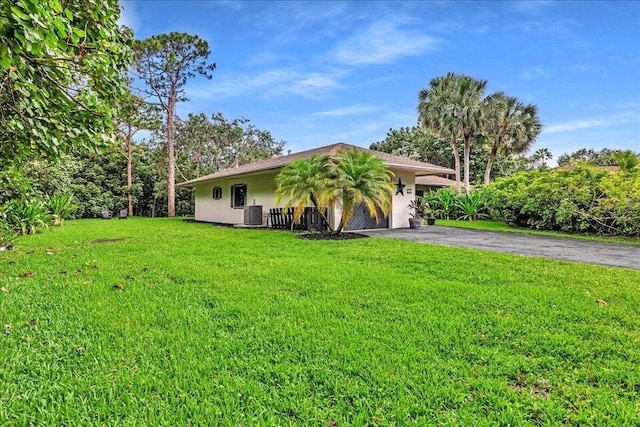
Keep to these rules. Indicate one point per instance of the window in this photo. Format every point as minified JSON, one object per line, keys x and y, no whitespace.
{"x":419,"y":193}
{"x":238,"y":195}
{"x":217,"y":193}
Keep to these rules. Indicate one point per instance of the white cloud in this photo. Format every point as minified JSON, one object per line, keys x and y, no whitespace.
{"x":382,"y":42}
{"x":625,"y":117}
{"x":268,"y":83}
{"x":351,"y":110}
{"x":534,"y":73}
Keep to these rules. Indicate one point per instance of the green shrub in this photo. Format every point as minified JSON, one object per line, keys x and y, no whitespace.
{"x":7,"y":235}
{"x":442,"y":202}
{"x":26,"y":217}
{"x":61,"y":206}
{"x":470,"y":206}
{"x":585,"y":199}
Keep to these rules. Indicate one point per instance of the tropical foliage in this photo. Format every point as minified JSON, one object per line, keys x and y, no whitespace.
{"x":62,"y":65}
{"x":604,"y":157}
{"x":306,"y":182}
{"x":447,"y":204}
{"x":509,"y":127}
{"x":425,"y":145}
{"x":454,"y":107}
{"x":584,"y":199}
{"x":362,"y":178}
{"x":61,"y":206}
{"x":7,"y":235}
{"x":27,"y":216}
{"x":351,"y":179}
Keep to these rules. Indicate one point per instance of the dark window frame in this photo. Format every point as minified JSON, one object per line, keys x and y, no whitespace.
{"x":237,"y":191}
{"x":216,"y":193}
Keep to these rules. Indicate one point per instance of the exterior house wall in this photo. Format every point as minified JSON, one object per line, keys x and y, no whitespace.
{"x":260,"y":191}
{"x":400,"y":211}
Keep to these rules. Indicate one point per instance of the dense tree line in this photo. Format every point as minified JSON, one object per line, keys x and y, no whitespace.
{"x":423,"y":144}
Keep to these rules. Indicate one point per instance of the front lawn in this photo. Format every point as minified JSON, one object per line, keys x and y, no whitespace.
{"x":492,"y":225}
{"x":164,"y":322}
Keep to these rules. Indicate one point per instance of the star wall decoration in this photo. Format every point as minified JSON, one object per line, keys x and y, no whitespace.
{"x":400,"y":187}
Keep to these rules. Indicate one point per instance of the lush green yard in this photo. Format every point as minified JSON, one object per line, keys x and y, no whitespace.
{"x":256,"y":327}
{"x":490,"y":225}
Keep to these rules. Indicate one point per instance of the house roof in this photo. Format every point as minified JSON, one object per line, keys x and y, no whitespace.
{"x":435,"y":181}
{"x":393,"y":161}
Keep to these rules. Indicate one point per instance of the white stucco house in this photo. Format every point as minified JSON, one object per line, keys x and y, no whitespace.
{"x":225,"y":197}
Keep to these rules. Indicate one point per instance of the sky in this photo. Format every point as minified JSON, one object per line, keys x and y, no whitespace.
{"x":316,"y":73}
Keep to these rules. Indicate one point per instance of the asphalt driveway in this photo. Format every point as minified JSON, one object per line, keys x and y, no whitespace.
{"x":611,"y":254}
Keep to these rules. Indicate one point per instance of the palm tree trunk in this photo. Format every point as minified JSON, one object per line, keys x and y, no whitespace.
{"x":492,"y":157}
{"x":467,"y":151}
{"x":456,"y":158}
{"x":322,"y":215}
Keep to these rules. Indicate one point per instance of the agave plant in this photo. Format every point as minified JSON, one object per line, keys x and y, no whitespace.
{"x":27,"y":217}
{"x":471,"y":206}
{"x":61,"y":206}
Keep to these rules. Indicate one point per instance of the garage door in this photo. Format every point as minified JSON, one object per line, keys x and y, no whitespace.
{"x":363,"y":221}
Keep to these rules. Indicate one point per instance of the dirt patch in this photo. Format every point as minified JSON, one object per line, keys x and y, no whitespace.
{"x":98,"y":241}
{"x":331,"y":236}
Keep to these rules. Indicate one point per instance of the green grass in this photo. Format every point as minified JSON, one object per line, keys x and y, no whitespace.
{"x":218,"y":326}
{"x":490,"y":225}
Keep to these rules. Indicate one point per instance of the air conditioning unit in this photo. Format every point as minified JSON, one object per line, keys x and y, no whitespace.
{"x":253,"y":215}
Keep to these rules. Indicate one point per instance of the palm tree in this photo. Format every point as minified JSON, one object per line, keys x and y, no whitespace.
{"x":452,"y":106}
{"x":435,"y":114}
{"x":540,"y":157}
{"x":625,"y":160}
{"x":509,"y":126}
{"x":468,"y":106}
{"x":306,"y":182}
{"x":361,"y":178}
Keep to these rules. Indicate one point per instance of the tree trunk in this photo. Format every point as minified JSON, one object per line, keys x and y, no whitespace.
{"x":129,"y":173}
{"x":315,"y":204}
{"x":456,"y":157}
{"x":171,"y":173}
{"x":492,"y":157}
{"x":467,"y":151}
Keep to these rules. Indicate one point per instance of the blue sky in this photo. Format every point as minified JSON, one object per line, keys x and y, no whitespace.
{"x":316,"y":73}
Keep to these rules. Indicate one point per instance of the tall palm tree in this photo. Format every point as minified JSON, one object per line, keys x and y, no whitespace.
{"x":362,"y":178}
{"x":306,"y":182}
{"x":509,"y":126}
{"x":452,"y":106}
{"x":435,"y":114}
{"x":467,"y":104}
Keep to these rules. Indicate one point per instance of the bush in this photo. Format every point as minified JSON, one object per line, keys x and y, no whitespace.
{"x":26,"y":217}
{"x":446,"y":204}
{"x":7,"y":235}
{"x":585,"y":199}
{"x":61,"y":206}
{"x":442,"y":202}
{"x":470,"y":206}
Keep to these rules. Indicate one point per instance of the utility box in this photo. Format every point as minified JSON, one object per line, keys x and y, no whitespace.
{"x":253,"y":215}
